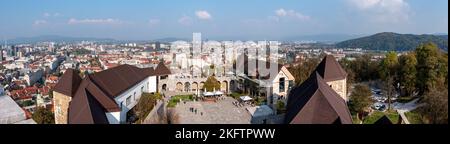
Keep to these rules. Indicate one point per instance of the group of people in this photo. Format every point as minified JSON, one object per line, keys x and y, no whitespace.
{"x":237,"y":104}
{"x":194,"y":110}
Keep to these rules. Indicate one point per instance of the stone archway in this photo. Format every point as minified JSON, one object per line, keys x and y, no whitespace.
{"x":224,"y":86}
{"x":187,"y":87}
{"x":164,"y":87}
{"x":194,"y":86}
{"x":233,"y":85}
{"x":201,"y":86}
{"x":179,"y":87}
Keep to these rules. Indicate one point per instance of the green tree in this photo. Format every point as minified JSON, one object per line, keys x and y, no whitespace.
{"x":427,"y":66}
{"x":389,"y":65}
{"x":43,"y":116}
{"x":303,"y":69}
{"x":388,"y":73}
{"x":408,"y":73}
{"x":360,"y":99}
{"x":211,"y":84}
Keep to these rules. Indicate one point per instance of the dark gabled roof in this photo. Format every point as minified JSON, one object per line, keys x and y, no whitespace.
{"x":90,"y":104}
{"x":68,"y":83}
{"x":94,"y":95}
{"x":330,"y":69}
{"x":161,"y":69}
{"x":315,"y":102}
{"x":383,"y":120}
{"x":116,"y":80}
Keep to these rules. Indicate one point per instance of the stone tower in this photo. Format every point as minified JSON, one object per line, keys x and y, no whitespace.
{"x":334,"y":75}
{"x":62,"y":94}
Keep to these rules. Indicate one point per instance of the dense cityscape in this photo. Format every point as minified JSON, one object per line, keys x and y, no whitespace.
{"x":203,"y":64}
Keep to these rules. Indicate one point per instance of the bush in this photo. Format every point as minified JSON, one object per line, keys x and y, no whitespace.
{"x":175,"y":99}
{"x":281,"y":107}
{"x":43,"y":116}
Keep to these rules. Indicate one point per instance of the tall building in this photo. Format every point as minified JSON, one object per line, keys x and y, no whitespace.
{"x":157,"y":45}
{"x":1,"y":54}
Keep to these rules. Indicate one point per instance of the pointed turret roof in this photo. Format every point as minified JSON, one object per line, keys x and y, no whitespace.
{"x":68,"y":83}
{"x":315,"y":102}
{"x":330,"y":69}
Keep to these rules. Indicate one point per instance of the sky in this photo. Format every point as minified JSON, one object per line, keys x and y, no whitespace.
{"x":220,"y":19}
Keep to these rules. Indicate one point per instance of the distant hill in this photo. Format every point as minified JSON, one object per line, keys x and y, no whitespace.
{"x":394,"y":41}
{"x":322,"y":37}
{"x":55,"y":38}
{"x":170,"y":39}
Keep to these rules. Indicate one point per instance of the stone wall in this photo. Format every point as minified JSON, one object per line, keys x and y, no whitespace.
{"x":157,"y":115}
{"x":61,"y":102}
{"x":340,"y":86}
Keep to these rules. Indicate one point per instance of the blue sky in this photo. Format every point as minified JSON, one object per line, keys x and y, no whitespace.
{"x":270,"y":19}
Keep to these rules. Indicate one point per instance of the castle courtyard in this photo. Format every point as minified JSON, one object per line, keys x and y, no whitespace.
{"x":220,"y":112}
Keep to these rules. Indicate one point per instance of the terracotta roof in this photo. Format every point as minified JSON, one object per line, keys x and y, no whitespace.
{"x":68,"y":83}
{"x":330,"y":69}
{"x":161,"y":69}
{"x":315,"y":102}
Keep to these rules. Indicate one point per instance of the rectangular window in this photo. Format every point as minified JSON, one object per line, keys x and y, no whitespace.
{"x":142,"y":89}
{"x":291,"y":84}
{"x":128,"y":101}
{"x":281,"y":85}
{"x":134,"y":96}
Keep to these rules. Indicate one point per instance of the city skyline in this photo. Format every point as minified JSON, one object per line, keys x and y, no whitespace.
{"x":144,"y":20}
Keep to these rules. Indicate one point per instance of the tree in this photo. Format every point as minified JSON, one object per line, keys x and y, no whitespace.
{"x":303,"y":70}
{"x":427,"y":66}
{"x":43,"y":116}
{"x":436,"y":106}
{"x":211,"y":84}
{"x":388,"y":73}
{"x":408,"y":73}
{"x":360,"y":99}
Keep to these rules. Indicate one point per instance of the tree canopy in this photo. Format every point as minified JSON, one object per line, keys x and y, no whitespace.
{"x":43,"y":116}
{"x":211,"y":84}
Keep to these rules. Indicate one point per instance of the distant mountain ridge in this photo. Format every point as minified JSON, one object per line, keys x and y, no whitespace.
{"x":54,"y":38}
{"x":393,"y":41}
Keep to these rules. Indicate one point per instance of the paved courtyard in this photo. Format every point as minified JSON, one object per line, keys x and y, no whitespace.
{"x":220,"y":112}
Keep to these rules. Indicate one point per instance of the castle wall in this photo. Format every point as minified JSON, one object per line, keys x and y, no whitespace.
{"x":340,"y":86}
{"x":61,"y":103}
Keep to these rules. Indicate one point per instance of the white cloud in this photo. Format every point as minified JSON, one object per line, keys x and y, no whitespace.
{"x":46,"y":14}
{"x":39,"y":22}
{"x":153,"y":22}
{"x":94,"y":21}
{"x":51,"y":14}
{"x":185,"y":20}
{"x":290,"y":13}
{"x":201,"y":14}
{"x":383,"y":10}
